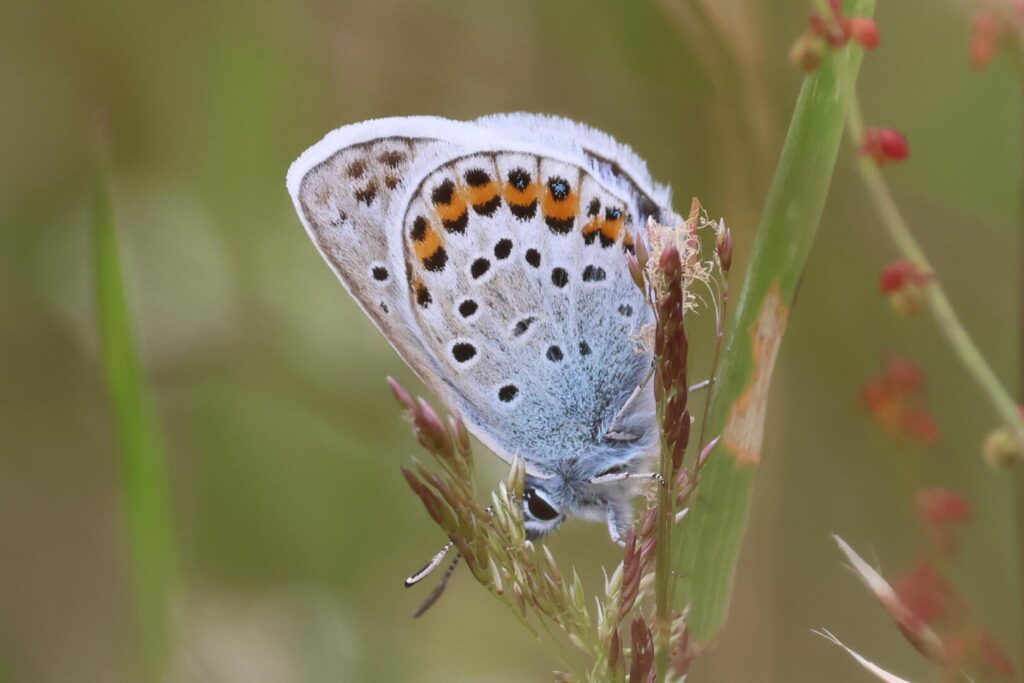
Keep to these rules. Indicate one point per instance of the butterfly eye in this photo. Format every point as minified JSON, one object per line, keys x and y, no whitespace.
{"x":538,"y":507}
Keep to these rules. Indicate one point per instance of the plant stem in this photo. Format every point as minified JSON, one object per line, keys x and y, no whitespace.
{"x":143,"y":476}
{"x":719,"y":334}
{"x":709,"y":548}
{"x":934,"y":295}
{"x":1018,"y":60}
{"x":662,"y":560}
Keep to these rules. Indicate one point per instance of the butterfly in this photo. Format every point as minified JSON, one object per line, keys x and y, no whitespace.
{"x":491,"y":255}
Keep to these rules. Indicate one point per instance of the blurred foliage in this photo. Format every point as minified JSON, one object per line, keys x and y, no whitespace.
{"x":142,"y":469}
{"x":283,"y":444}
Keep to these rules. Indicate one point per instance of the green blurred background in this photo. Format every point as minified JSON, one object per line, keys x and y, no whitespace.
{"x":293,"y":523}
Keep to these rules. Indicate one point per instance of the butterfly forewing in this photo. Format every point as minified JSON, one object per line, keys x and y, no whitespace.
{"x":349,"y":202}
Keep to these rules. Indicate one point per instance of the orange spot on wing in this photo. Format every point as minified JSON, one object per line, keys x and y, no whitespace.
{"x":483,"y":194}
{"x":592,"y":226}
{"x":452,"y":210}
{"x":429,"y":244}
{"x":561,"y":209}
{"x":521,"y":197}
{"x":611,"y":228}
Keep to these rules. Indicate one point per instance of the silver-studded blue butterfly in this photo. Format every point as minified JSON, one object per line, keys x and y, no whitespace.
{"x":490,"y":254}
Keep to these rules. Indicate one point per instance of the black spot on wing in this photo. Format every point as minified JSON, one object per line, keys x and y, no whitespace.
{"x":502,"y":249}
{"x":423,"y":297}
{"x":463,"y":352}
{"x":356,"y":169}
{"x":489,"y":207}
{"x":559,"y":188}
{"x":419,"y":228}
{"x":524,"y":212}
{"x":560,"y":226}
{"x":436,"y":261}
{"x":367,"y":194}
{"x":477,"y":177}
{"x":457,"y":224}
{"x":559,"y":277}
{"x":442,"y":194}
{"x":523,"y":325}
{"x":392,"y":158}
{"x":479,"y":267}
{"x":507,"y":393}
{"x":519,"y":178}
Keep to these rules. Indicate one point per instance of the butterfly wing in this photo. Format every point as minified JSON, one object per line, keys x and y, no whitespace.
{"x":494,"y":266}
{"x":350,"y":191}
{"x":614,"y":163}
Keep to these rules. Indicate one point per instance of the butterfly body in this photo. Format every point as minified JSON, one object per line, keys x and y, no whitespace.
{"x":490,"y":254}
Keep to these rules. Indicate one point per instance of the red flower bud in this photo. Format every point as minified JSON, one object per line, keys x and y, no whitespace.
{"x":888,"y":397}
{"x":993,"y":657}
{"x":924,"y":592}
{"x":862,"y":30}
{"x":941,"y":507}
{"x":895,"y":276}
{"x":723,"y":245}
{"x":902,"y":376}
{"x":902,"y":281}
{"x":987,"y":30}
{"x":982,"y":52}
{"x":920,"y":425}
{"x":817,"y":26}
{"x":884,"y":145}
{"x":987,"y":25}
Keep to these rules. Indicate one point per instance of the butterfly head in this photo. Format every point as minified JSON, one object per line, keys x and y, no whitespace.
{"x":594,"y":490}
{"x":543,"y":509}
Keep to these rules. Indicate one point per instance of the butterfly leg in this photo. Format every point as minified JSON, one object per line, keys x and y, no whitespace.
{"x":702,"y":385}
{"x":622,"y":476}
{"x":619,"y":518}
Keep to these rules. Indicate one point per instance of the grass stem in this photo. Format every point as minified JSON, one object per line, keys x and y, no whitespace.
{"x":709,"y":546}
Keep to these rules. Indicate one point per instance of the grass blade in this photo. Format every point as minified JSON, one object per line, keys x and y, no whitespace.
{"x":710,"y":544}
{"x":142,"y":470}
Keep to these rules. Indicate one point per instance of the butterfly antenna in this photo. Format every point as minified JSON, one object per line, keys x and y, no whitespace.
{"x":435,"y":594}
{"x":430,"y":566}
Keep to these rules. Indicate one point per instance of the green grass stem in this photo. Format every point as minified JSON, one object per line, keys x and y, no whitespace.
{"x":708,"y":549}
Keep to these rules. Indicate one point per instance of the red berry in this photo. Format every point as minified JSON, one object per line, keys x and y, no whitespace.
{"x":885,"y":144}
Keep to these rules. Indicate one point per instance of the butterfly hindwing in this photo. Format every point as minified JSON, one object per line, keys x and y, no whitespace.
{"x":527,"y":305}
